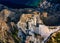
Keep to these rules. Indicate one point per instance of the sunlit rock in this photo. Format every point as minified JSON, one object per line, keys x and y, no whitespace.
{"x":54,"y":38}
{"x":5,"y":35}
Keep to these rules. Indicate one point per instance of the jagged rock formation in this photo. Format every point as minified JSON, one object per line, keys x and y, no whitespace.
{"x":25,"y":18}
{"x":5,"y":36}
{"x":8,"y":29}
{"x":12,"y":20}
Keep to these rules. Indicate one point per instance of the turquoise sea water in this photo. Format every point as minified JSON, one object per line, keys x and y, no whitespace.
{"x":33,"y":2}
{"x":20,"y":3}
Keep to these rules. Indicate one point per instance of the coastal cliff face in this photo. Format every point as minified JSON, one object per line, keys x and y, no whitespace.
{"x":14,"y":24}
{"x":8,"y":29}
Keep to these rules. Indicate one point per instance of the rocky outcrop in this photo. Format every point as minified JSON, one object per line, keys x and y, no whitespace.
{"x":13,"y":21}
{"x":8,"y":29}
{"x":54,"y":38}
{"x":5,"y":35}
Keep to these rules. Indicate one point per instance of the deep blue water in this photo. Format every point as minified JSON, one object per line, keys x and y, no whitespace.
{"x":20,"y":3}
